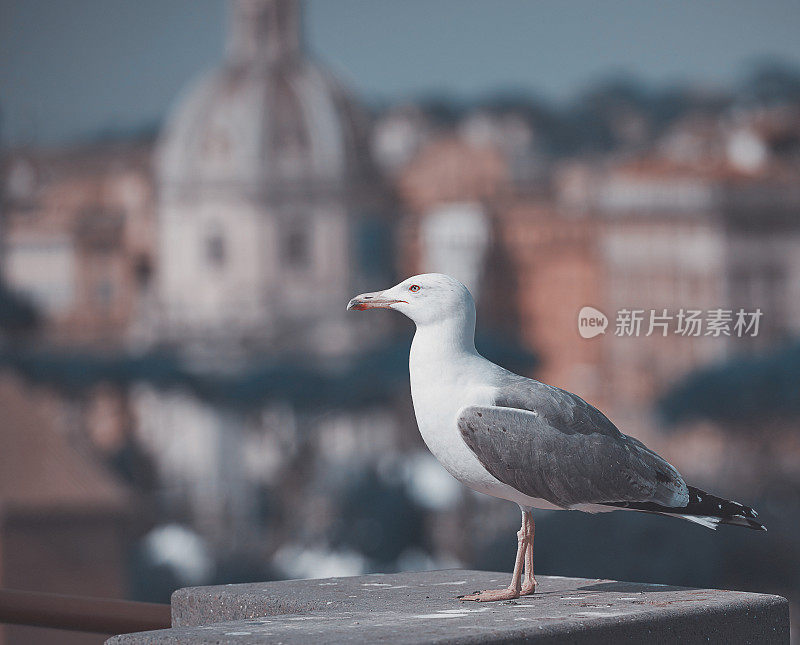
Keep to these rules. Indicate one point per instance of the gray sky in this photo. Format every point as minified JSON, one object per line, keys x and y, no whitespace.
{"x":70,"y":69}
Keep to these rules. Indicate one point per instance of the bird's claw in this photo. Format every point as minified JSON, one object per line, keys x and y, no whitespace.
{"x":492,"y":595}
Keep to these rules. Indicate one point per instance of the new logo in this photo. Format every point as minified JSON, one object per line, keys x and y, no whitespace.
{"x":591,"y":322}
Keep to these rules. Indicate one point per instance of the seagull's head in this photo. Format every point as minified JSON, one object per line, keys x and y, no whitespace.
{"x":426,"y":298}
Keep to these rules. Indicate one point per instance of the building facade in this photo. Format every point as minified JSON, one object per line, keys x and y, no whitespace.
{"x":269,"y":218}
{"x":78,"y":240}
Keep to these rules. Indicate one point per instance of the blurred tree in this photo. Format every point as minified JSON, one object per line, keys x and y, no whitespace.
{"x":374,"y":376}
{"x":17,"y":313}
{"x":378,"y":519}
{"x":770,"y":82}
{"x":740,"y":393}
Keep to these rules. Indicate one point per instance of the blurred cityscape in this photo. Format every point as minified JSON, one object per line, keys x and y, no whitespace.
{"x":185,"y":400}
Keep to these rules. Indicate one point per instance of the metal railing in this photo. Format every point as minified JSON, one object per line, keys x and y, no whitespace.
{"x":80,"y":613}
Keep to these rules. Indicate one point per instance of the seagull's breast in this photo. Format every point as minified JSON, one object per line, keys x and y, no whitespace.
{"x":447,"y":376}
{"x":436,"y":406}
{"x":438,"y":398}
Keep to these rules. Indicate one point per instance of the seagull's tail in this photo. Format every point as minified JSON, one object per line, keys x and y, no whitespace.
{"x":703,"y":508}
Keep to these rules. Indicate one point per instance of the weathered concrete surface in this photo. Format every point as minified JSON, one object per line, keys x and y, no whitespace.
{"x":422,"y":608}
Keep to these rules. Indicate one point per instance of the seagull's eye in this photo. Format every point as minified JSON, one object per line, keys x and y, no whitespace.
{"x":414,"y":287}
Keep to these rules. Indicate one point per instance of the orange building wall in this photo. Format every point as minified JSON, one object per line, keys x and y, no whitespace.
{"x":557,"y":272}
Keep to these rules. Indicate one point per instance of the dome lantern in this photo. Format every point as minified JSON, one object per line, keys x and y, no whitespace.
{"x":264,"y":31}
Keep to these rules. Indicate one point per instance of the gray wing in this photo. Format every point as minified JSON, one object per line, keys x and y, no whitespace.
{"x":552,"y":445}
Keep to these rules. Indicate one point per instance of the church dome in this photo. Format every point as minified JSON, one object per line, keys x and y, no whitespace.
{"x":268,"y":120}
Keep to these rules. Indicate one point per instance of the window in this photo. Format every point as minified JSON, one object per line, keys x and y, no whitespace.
{"x":43,"y":270}
{"x":104,"y":293}
{"x":216,"y":251}
{"x":297,"y":246}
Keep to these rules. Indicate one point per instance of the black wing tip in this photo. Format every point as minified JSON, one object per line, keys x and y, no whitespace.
{"x":728,"y":511}
{"x":709,"y":510}
{"x":739,"y":520}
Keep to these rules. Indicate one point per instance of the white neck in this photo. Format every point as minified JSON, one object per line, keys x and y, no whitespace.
{"x":441,"y":342}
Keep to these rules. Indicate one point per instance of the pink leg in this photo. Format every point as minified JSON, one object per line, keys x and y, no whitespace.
{"x":513,"y":590}
{"x":529,"y":583}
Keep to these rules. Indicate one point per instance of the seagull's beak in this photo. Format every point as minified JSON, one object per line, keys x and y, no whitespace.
{"x":374,"y":300}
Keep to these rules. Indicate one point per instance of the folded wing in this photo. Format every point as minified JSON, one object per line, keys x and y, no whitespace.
{"x":552,"y":445}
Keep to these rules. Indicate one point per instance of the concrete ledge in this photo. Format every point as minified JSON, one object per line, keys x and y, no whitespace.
{"x":422,"y":608}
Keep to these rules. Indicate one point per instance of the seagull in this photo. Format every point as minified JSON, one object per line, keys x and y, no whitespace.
{"x":524,"y":441}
